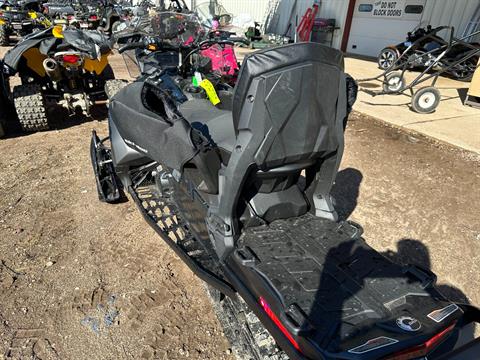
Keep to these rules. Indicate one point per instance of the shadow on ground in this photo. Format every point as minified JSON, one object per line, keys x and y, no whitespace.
{"x":367,"y":268}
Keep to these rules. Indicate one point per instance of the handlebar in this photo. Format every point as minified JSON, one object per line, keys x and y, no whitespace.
{"x":131,"y":46}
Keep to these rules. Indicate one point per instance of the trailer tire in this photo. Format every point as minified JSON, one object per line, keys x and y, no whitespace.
{"x":112,"y":87}
{"x":30,"y":107}
{"x":394,"y":82}
{"x":4,"y":38}
{"x":426,"y":100}
{"x":386,"y":58}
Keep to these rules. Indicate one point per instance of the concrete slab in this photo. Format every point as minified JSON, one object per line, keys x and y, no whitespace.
{"x":452,"y":122}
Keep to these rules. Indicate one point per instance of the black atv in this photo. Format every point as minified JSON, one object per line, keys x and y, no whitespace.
{"x":240,"y":191}
{"x":67,"y":67}
{"x":424,"y":46}
{"x":6,"y":109}
{"x":20,"y":18}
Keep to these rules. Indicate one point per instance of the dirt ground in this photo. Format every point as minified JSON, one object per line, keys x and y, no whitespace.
{"x":80,"y":279}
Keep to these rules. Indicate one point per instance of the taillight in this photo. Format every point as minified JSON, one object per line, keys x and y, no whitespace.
{"x":70,"y":17}
{"x":423,"y":349}
{"x":71,"y":59}
{"x":93,"y":17}
{"x":278,"y":323}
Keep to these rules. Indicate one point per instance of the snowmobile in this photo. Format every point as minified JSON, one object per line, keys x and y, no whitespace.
{"x":20,"y":19}
{"x":66,"y":66}
{"x":238,"y":184}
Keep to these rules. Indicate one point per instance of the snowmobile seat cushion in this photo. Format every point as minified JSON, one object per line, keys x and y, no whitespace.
{"x":271,"y":59}
{"x":215,"y":124}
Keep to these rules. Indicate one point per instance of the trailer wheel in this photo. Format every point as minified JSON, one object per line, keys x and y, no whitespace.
{"x":386,"y":58}
{"x":426,"y":100}
{"x":394,"y":82}
{"x":4,"y":38}
{"x":31,"y":108}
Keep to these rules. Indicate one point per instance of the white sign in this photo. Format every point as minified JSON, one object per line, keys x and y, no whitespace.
{"x":389,"y":9}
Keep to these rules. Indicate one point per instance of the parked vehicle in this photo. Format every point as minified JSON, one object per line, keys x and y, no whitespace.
{"x":20,"y":18}
{"x":67,"y":66}
{"x":5,"y":104}
{"x":424,"y":45}
{"x":217,"y":172}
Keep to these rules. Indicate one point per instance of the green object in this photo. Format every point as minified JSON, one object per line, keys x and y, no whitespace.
{"x":195,"y":81}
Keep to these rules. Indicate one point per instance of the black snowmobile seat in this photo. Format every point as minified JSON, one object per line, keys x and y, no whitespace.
{"x":289,"y":107}
{"x":216,"y":124}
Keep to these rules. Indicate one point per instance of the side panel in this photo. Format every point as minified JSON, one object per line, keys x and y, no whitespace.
{"x":122,"y":154}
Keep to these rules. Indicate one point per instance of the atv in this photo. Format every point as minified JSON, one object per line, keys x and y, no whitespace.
{"x":66,"y":66}
{"x":237,"y":182}
{"x":6,"y":112}
{"x":20,"y":19}
{"x":424,"y":46}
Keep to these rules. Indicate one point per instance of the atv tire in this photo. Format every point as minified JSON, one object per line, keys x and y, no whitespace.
{"x":31,"y":108}
{"x":4,"y":38}
{"x":112,"y":87}
{"x":387,"y":58}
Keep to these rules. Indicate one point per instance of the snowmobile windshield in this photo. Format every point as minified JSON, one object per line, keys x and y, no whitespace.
{"x":213,"y":15}
{"x":177,"y":30}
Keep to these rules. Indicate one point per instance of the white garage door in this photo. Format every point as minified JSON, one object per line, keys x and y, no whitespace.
{"x":376,"y":24}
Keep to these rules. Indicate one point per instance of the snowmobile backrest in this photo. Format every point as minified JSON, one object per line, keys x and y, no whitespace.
{"x":289,"y":108}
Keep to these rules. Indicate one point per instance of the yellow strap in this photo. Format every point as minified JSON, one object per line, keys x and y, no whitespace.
{"x":210,"y":90}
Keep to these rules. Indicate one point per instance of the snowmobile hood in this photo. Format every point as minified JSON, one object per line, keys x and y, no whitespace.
{"x":94,"y":43}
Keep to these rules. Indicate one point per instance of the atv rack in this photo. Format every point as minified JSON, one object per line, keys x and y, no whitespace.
{"x":426,"y":99}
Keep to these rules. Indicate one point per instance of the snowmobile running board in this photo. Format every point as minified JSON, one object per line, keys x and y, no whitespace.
{"x":161,"y":215}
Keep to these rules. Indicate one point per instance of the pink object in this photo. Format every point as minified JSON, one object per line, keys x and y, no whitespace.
{"x":223,"y":59}
{"x":215,"y":24}
{"x":189,"y":41}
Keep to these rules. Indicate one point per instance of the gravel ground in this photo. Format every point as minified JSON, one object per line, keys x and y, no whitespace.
{"x":80,"y":279}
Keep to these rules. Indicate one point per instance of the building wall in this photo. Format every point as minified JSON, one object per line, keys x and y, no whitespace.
{"x":456,"y":13}
{"x":256,"y":8}
{"x":335,"y":9}
{"x":286,"y":19}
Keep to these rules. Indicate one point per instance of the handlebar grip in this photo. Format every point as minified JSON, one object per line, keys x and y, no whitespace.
{"x":239,"y":39}
{"x":130,"y":46}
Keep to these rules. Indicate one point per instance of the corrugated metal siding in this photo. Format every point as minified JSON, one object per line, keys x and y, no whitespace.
{"x":456,"y":13}
{"x":335,"y":9}
{"x":256,"y":8}
{"x":287,"y":19}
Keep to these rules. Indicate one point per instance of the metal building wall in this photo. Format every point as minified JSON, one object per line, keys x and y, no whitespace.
{"x":456,"y":13}
{"x":256,"y":8}
{"x":335,"y":9}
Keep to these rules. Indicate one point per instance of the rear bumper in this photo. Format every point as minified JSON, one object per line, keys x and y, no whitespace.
{"x":467,"y":347}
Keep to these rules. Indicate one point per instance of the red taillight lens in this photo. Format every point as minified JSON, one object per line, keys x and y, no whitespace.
{"x":278,"y":323}
{"x":71,"y":59}
{"x":70,"y":17}
{"x":93,"y":17}
{"x":423,"y":349}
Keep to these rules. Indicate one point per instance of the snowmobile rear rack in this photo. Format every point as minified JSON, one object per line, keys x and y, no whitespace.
{"x":161,"y":214}
{"x":326,"y":286}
